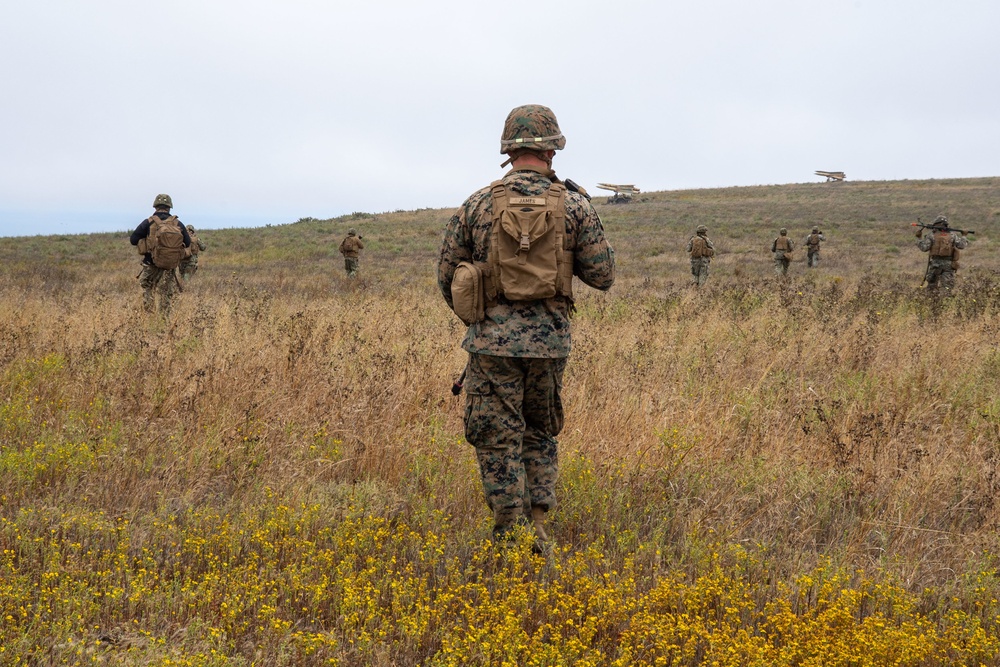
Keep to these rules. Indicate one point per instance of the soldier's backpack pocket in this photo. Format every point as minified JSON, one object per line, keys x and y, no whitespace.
{"x":468,"y":296}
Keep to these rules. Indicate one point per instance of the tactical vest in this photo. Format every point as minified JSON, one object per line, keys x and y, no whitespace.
{"x":942,"y":245}
{"x":813,"y":241}
{"x":195,"y":247}
{"x":782,"y":244}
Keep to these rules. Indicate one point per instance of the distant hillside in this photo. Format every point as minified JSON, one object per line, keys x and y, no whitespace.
{"x":867,"y":224}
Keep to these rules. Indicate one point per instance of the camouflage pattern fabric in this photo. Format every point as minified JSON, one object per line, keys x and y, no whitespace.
{"x":812,"y":248}
{"x":190,"y":264}
{"x":517,"y":355}
{"x":513,"y":413}
{"x":539,"y":328}
{"x":699,"y":265}
{"x":351,"y":248}
{"x":782,"y":247}
{"x":163,"y":280}
{"x":941,"y":270}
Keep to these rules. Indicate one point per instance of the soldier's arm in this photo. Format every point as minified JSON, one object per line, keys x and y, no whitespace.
{"x":961,"y":242}
{"x":201,"y":245}
{"x":455,"y":248}
{"x":141,"y":232}
{"x":593,"y":258}
{"x":925,"y":243}
{"x":187,"y":236}
{"x":709,"y":243}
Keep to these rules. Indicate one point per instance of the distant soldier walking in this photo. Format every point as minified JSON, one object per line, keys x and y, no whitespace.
{"x":351,"y":248}
{"x":163,"y":242}
{"x":506,"y":268}
{"x":190,"y":263}
{"x":812,"y":247}
{"x":701,"y":250}
{"x":782,"y":248}
{"x":942,"y":247}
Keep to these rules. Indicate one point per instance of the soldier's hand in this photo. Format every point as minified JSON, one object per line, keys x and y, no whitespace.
{"x":920,"y":233}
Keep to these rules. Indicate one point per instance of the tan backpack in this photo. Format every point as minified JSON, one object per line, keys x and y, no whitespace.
{"x":527,"y":257}
{"x":942,"y":245}
{"x":164,"y":243}
{"x":699,"y":248}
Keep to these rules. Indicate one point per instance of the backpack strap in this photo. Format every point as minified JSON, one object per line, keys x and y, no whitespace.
{"x":564,"y":257}
{"x":492,"y":277}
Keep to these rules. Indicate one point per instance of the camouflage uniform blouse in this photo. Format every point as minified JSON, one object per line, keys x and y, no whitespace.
{"x":536,"y":329}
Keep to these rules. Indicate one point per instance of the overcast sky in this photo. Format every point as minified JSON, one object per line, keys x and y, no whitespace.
{"x":267,"y":111}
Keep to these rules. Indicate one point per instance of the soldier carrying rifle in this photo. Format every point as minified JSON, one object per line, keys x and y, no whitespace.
{"x":942,"y":246}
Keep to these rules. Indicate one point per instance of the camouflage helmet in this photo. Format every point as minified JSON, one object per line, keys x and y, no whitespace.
{"x":701,"y":229}
{"x":783,"y":231}
{"x":163,"y":200}
{"x":531,"y":126}
{"x":352,"y":232}
{"x":940,"y":221}
{"x":190,"y":228}
{"x":815,"y":230}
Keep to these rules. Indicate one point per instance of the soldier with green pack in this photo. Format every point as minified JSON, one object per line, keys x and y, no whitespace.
{"x":506,"y":267}
{"x":163,"y":242}
{"x":701,"y":249}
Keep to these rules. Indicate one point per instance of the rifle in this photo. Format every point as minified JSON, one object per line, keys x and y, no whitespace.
{"x":572,"y":186}
{"x":456,"y":387}
{"x":945,"y":228}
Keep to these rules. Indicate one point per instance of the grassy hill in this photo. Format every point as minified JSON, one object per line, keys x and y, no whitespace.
{"x":763,"y":471}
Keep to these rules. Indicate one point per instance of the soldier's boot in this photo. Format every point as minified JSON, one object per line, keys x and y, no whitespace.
{"x":541,"y":545}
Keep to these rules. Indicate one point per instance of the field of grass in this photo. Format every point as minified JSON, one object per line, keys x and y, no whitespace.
{"x":761,"y":472}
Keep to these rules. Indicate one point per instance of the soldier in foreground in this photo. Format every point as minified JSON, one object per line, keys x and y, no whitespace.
{"x":942,"y":247}
{"x":516,"y":298}
{"x":782,"y":248}
{"x":812,"y":247}
{"x":701,"y":250}
{"x":351,"y":248}
{"x":190,"y":263}
{"x":163,"y":242}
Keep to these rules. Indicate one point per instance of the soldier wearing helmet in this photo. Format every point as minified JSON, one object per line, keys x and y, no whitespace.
{"x":190,"y":263}
{"x":351,"y":248}
{"x":701,"y":249}
{"x":942,"y":247}
{"x":782,"y":249}
{"x":152,"y":276}
{"x":811,"y":243}
{"x":518,"y":342}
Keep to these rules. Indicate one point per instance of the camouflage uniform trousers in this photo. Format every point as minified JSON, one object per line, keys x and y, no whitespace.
{"x":188,"y":267}
{"x":351,"y":265}
{"x":699,"y":269}
{"x":781,"y":264}
{"x":513,"y":413}
{"x":163,"y":280}
{"x":940,"y":273}
{"x":812,"y":258}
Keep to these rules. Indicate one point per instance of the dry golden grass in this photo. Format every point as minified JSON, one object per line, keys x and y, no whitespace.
{"x":759,"y":472}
